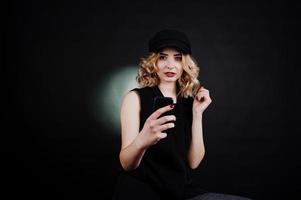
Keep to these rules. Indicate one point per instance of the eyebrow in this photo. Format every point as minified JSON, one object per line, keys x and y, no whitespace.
{"x":164,"y":54}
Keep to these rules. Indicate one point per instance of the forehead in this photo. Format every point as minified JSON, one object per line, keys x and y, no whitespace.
{"x":169,"y":50}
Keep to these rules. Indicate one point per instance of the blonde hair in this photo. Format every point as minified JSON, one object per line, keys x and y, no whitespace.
{"x":188,"y":82}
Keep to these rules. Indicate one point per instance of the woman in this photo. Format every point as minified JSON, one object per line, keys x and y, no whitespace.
{"x":158,"y":152}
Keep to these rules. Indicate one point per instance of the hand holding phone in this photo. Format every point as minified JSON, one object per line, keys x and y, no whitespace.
{"x":157,"y":125}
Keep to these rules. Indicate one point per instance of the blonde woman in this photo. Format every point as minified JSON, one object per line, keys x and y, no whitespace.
{"x":159,"y":151}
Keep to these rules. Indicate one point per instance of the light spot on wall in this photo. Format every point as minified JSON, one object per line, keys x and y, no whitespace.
{"x":108,"y":96}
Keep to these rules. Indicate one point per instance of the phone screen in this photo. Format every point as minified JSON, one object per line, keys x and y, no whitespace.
{"x":160,"y":102}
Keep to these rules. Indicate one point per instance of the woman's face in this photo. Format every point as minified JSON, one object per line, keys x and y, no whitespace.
{"x":170,"y":65}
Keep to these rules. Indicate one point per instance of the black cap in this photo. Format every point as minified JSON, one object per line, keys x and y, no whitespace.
{"x":169,"y":38}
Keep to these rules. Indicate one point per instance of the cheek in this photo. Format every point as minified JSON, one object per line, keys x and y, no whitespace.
{"x":160,"y":66}
{"x":180,"y":70}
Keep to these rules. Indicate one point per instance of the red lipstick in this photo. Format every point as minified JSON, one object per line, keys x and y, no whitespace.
{"x":170,"y":74}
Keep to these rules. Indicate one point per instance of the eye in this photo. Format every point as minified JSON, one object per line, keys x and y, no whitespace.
{"x":162,"y":57}
{"x":179,"y":58}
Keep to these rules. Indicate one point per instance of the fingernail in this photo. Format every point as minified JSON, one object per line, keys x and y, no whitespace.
{"x":172,"y":105}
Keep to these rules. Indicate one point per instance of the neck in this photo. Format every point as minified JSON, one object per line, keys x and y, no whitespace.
{"x":168,"y":89}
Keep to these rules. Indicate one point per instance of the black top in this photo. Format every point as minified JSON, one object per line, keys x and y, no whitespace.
{"x":164,"y":172}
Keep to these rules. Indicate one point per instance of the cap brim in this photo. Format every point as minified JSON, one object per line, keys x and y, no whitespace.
{"x":174,"y":44}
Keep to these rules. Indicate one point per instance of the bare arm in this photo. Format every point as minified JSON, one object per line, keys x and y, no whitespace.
{"x":196,"y":150}
{"x":131,"y":152}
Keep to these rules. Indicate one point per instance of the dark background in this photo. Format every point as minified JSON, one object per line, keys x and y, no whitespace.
{"x":56,"y":53}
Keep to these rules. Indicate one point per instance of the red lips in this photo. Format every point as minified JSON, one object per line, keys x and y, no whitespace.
{"x":170,"y":74}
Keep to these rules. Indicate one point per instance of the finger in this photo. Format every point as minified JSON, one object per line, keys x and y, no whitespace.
{"x":160,"y":111}
{"x":203,"y":90}
{"x":162,"y":135}
{"x":200,"y":96}
{"x":203,"y":97}
{"x":200,"y":88}
{"x":165,"y":127}
{"x":209,"y":98}
{"x":165,"y":119}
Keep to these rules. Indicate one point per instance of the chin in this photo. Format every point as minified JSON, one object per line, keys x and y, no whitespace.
{"x":170,"y":79}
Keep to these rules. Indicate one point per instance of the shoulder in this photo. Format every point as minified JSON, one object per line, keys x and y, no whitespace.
{"x":144,"y":95}
{"x":130,"y":103}
{"x":135,"y":95}
{"x":132,"y":96}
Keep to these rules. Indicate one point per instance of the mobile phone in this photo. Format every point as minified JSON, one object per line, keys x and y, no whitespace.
{"x":160,"y":102}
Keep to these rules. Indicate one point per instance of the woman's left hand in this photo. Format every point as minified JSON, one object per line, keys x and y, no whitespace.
{"x":201,"y":101}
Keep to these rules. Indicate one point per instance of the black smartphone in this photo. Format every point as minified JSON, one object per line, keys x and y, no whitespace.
{"x":160,"y":102}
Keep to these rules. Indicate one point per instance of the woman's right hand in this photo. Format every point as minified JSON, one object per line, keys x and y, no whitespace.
{"x":153,"y":128}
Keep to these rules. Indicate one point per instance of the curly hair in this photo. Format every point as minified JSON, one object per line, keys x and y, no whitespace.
{"x":188,"y":82}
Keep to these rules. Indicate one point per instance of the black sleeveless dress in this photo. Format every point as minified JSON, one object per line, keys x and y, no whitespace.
{"x":164,"y":172}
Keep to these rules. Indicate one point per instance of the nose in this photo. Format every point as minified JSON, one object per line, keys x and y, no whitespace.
{"x":170,"y":64}
{"x":170,"y":67}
